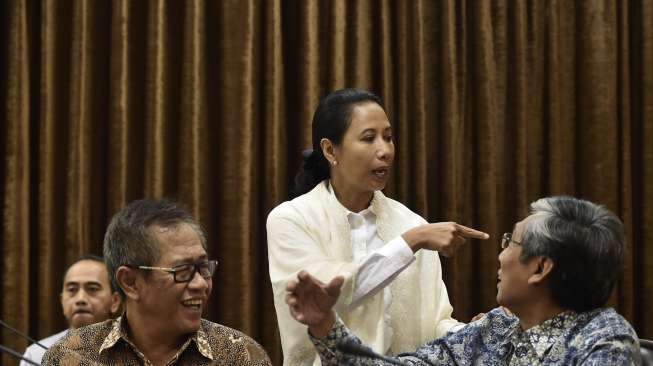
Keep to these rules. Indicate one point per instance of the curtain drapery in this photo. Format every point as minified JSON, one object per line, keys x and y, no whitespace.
{"x":494,"y":104}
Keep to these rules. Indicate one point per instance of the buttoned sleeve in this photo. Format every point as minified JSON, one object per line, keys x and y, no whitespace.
{"x":379,"y":268}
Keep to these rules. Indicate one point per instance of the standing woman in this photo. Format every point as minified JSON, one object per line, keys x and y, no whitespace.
{"x":341,"y":224}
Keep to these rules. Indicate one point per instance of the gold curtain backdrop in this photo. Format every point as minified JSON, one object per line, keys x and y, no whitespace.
{"x":494,"y":104}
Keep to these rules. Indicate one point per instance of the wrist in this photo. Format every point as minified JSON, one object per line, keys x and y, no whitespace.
{"x":413,"y":239}
{"x":321,"y":329}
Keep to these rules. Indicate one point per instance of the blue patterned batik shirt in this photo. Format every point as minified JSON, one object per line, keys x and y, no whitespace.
{"x":597,"y":337}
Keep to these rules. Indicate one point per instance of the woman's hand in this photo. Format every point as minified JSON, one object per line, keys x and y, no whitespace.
{"x":443,"y":237}
{"x":311,"y":301}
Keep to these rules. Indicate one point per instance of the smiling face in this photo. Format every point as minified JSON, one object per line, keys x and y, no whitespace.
{"x":175,"y":307}
{"x":513,"y":288}
{"x":86,"y":297}
{"x":366,"y":153}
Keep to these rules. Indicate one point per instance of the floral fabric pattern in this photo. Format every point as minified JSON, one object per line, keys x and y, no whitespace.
{"x":107,"y":343}
{"x":597,"y":337}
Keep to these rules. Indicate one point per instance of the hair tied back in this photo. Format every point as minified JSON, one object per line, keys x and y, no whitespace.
{"x":311,"y":159}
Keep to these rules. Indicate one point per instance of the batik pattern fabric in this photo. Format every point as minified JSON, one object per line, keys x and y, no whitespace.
{"x":108,"y":343}
{"x":597,"y":337}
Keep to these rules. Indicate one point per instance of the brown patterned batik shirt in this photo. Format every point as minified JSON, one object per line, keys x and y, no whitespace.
{"x":107,"y":343}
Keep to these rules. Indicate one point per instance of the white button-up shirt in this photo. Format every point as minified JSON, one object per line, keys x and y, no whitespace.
{"x":380,"y":263}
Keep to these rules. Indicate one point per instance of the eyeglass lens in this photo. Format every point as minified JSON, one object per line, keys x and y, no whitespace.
{"x":186,"y":272}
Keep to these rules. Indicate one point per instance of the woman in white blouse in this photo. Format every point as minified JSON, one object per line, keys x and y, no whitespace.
{"x":341,"y":224}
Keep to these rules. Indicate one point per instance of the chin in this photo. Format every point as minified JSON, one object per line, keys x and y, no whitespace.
{"x":377,"y":186}
{"x":192,"y":326}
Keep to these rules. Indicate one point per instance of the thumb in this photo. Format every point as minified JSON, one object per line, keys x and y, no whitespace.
{"x":333,"y":288}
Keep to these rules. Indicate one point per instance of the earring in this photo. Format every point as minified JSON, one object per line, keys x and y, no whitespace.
{"x":334,"y":163}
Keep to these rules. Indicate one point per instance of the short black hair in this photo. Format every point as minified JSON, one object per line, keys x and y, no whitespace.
{"x":90,"y":257}
{"x":586,"y":243}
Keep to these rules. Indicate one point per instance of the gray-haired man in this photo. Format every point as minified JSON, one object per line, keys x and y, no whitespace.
{"x":557,"y":270}
{"x":156,"y":255}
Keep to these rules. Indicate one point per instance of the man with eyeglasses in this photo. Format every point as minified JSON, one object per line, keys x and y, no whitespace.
{"x":156,"y":255}
{"x":557,"y":270}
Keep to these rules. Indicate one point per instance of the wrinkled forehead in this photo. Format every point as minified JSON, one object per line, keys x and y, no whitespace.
{"x":179,"y":243}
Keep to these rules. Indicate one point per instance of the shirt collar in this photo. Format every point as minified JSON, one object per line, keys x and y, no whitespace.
{"x":118,"y":331}
{"x":372,"y":209}
{"x":543,"y":336}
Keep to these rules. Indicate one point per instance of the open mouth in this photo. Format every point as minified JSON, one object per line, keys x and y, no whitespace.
{"x":381,"y":173}
{"x":82,"y":312}
{"x":193,"y":303}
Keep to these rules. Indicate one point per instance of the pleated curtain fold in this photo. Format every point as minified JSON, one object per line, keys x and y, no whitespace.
{"x":493,"y":104}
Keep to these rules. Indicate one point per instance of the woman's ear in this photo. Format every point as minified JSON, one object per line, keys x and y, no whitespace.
{"x":127,"y":280}
{"x":328,"y":150}
{"x":543,"y":268}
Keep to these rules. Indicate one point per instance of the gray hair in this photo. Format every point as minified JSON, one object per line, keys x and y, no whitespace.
{"x":129,"y":241}
{"x":586,"y":243}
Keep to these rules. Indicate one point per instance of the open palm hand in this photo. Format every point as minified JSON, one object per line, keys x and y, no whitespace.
{"x":311,"y":301}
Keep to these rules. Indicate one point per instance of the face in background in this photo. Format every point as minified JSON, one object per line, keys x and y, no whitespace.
{"x":176,"y":307}
{"x":366,"y":153}
{"x":513,"y":289}
{"x":86,"y":297}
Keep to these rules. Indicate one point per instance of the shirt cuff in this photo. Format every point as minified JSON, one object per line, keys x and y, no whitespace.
{"x":399,"y":249}
{"x":327,"y":347}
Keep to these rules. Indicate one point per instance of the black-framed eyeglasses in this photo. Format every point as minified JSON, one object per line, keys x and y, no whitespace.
{"x":186,"y":272}
{"x":506,"y":239}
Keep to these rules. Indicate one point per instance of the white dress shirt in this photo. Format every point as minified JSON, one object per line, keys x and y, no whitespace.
{"x":380,"y":263}
{"x":35,"y":352}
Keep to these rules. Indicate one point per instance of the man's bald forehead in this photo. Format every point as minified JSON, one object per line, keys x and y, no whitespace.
{"x":85,"y":266}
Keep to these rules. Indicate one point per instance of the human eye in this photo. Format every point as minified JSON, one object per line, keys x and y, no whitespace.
{"x":368,"y":137}
{"x":183,"y":270}
{"x":71,"y":289}
{"x":92,"y":289}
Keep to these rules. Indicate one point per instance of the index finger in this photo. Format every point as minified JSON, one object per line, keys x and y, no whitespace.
{"x":471,"y":233}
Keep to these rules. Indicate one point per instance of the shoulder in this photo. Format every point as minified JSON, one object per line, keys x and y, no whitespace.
{"x":605,"y":333}
{"x":496,"y":323}
{"x":229,"y":343}
{"x":309,"y":204}
{"x":48,"y":341}
{"x":78,"y":342}
{"x":396,"y":210}
{"x":605,"y":322}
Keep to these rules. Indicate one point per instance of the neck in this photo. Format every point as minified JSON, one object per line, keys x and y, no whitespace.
{"x":153,"y":341}
{"x":535,"y":314}
{"x":353,"y":200}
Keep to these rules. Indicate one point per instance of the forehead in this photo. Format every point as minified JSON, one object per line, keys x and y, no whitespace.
{"x":178,"y":243}
{"x":87,"y":271}
{"x":520,"y":226}
{"x":368,"y":115}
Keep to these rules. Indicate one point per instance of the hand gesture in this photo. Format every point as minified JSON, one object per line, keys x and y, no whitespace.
{"x":311,"y":301}
{"x":443,"y":237}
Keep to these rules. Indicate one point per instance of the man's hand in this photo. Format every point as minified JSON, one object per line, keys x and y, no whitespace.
{"x":443,"y":237}
{"x":311,"y":302}
{"x":477,"y":317}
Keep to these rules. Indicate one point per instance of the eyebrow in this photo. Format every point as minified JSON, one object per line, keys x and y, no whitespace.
{"x":389,"y":128}
{"x":189,"y":260}
{"x":77,"y":283}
